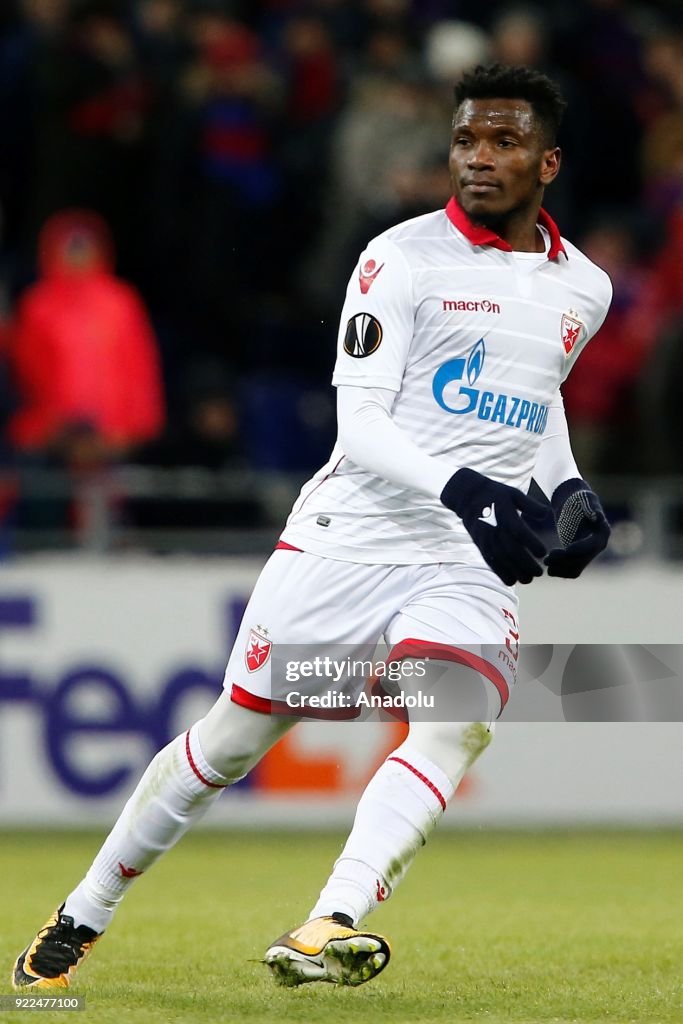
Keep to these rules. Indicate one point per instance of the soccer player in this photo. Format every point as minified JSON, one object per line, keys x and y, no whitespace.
{"x":457,"y":331}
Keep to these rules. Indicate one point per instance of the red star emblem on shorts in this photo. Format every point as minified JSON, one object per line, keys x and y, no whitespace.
{"x":258,"y":650}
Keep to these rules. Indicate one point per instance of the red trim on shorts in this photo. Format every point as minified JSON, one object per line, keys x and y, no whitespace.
{"x":282,"y":545}
{"x":238,"y":695}
{"x":195,"y":769}
{"x":423,"y":778}
{"x":265,"y":706}
{"x":444,"y":652}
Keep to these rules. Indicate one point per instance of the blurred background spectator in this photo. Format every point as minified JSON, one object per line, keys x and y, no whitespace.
{"x":82,"y":352}
{"x":83,"y":359}
{"x":600,"y":397}
{"x":241,"y":154}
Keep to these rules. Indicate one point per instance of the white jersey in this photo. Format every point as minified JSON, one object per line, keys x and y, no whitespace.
{"x":475,"y":340}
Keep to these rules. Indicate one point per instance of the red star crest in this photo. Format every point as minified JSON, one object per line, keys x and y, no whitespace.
{"x":258,"y":649}
{"x":571,"y":331}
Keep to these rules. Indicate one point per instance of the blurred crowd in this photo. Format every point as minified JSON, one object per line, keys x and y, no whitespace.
{"x":185,"y":186}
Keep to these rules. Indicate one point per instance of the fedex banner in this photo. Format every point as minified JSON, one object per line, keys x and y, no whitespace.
{"x":103,"y":661}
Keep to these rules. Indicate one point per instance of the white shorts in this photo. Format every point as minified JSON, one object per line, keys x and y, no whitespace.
{"x":304,"y":604}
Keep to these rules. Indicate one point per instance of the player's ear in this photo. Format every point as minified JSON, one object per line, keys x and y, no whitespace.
{"x":550,"y":165}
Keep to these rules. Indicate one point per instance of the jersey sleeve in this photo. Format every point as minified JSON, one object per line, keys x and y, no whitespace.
{"x":600,"y":308}
{"x":369,"y":437}
{"x":377,"y":320}
{"x":555,"y":461}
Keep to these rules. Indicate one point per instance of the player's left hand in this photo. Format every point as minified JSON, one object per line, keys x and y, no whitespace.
{"x":581,"y":526}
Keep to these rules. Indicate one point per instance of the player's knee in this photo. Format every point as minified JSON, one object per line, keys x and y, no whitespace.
{"x":231,"y":755}
{"x":227,"y":758}
{"x":233,"y":769}
{"x":452,"y":746}
{"x":233,"y":739}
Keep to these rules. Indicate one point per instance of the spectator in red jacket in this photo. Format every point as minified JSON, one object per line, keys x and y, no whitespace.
{"x":83,"y":352}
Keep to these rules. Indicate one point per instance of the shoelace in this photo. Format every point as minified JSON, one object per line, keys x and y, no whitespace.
{"x":61,"y":946}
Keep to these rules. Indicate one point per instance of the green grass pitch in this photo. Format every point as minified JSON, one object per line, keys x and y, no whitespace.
{"x":488,"y":926}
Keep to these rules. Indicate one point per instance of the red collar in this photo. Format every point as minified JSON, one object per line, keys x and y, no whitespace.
{"x":484,"y":236}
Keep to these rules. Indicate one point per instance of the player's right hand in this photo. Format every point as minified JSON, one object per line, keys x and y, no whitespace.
{"x":581,"y":526}
{"x":497,"y":518}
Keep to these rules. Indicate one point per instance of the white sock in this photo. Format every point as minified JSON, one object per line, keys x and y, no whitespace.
{"x":178,"y":787}
{"x":401,"y":805}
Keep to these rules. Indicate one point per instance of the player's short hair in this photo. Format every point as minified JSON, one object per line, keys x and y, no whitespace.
{"x":516,"y":82}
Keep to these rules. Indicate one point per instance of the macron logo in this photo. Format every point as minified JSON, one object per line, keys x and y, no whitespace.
{"x":470,"y":306}
{"x":488,"y":515}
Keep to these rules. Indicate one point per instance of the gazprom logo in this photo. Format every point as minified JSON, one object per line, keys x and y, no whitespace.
{"x":497,"y":407}
{"x":475,"y":361}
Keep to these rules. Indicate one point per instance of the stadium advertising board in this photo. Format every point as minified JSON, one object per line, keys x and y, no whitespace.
{"x":102,"y":662}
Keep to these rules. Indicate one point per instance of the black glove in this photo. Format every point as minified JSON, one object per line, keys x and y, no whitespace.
{"x":581,"y":526}
{"x":496,"y":518}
